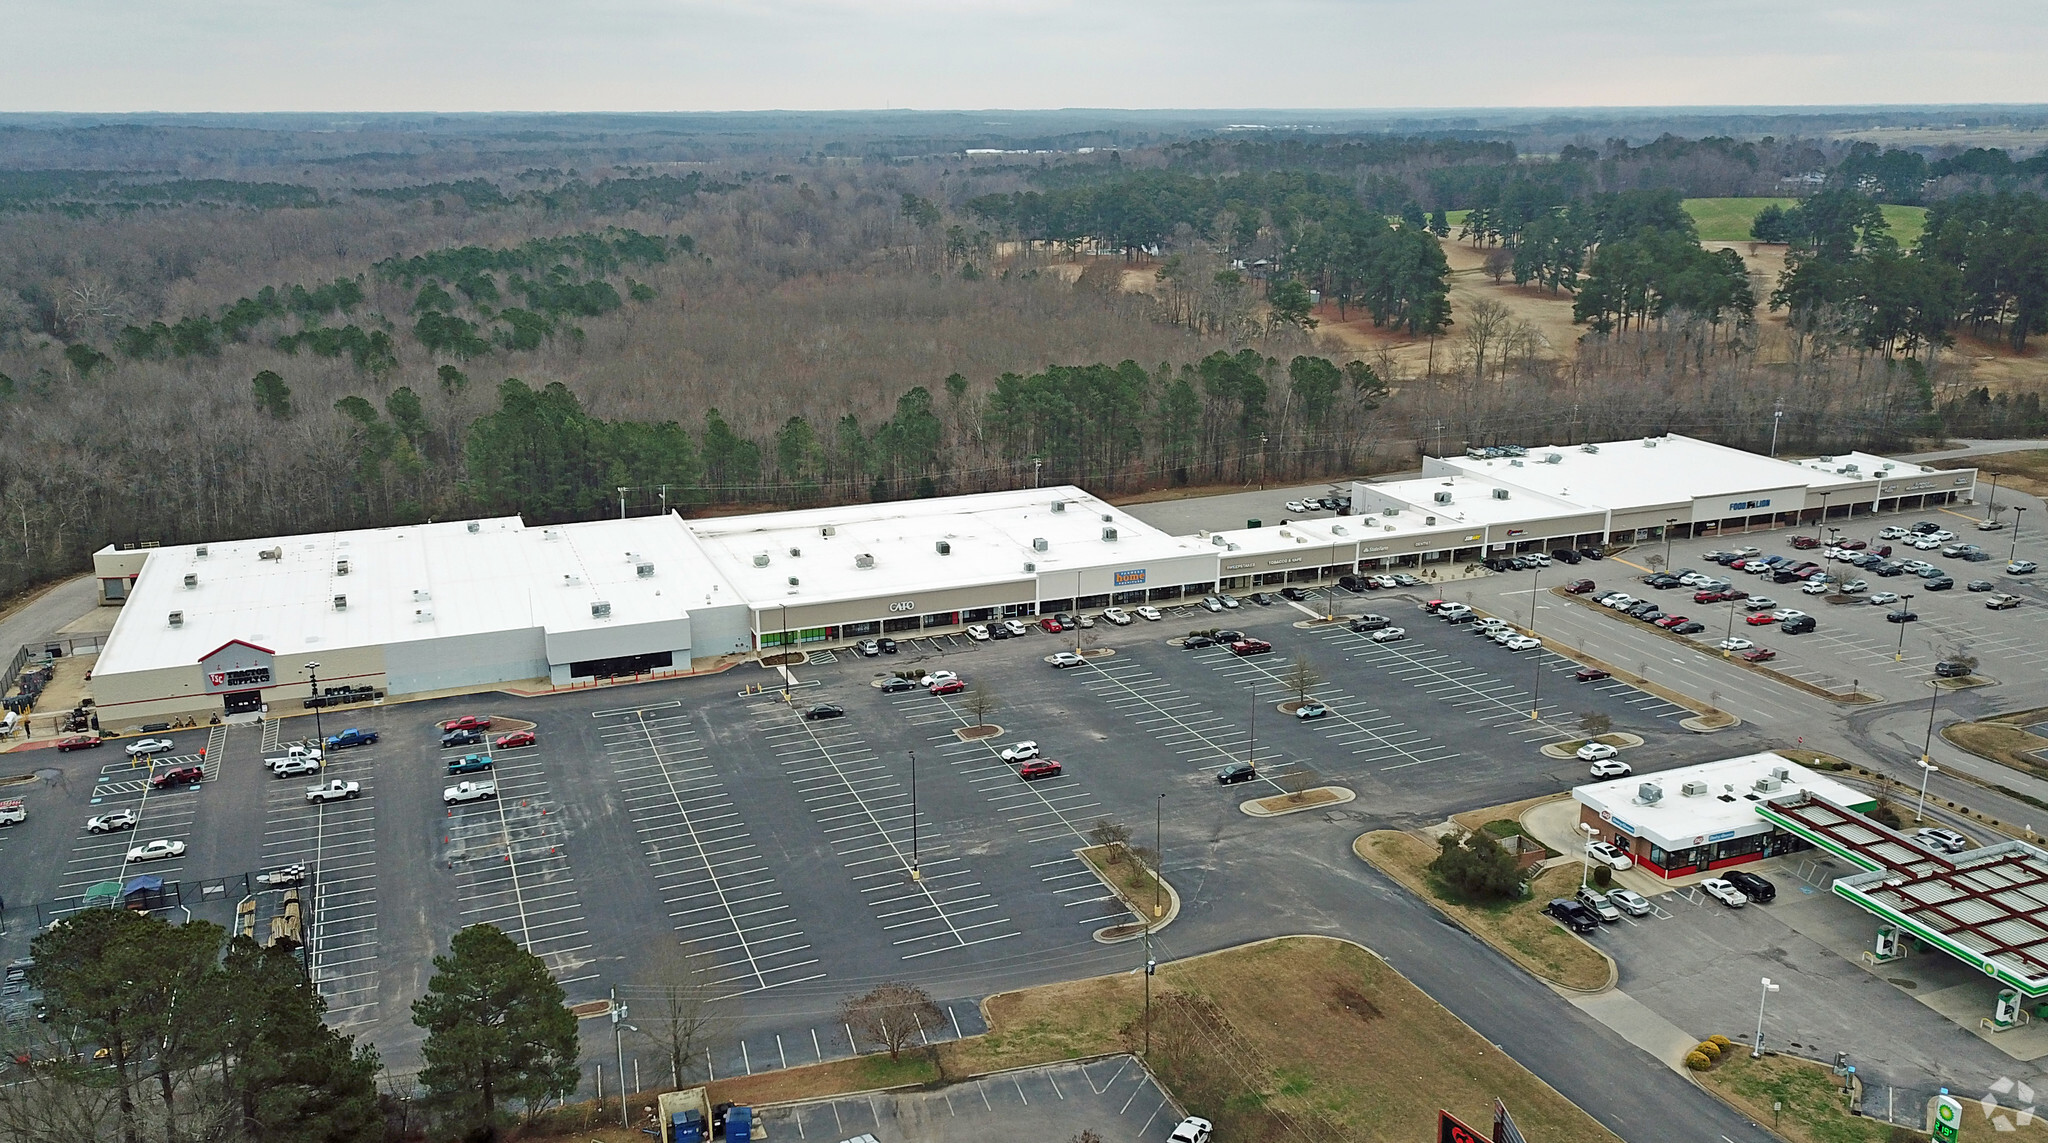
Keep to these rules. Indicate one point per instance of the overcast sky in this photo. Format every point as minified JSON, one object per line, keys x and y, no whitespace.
{"x":685,"y":55}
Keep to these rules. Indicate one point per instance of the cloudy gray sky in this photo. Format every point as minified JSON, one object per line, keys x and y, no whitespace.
{"x":648,"y":55}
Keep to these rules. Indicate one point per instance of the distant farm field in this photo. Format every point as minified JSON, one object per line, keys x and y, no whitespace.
{"x":1728,"y":219}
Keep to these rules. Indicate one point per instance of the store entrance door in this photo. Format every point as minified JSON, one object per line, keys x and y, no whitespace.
{"x":242,"y":702}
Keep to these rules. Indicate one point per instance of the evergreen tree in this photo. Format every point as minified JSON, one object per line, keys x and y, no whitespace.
{"x":497,"y":1029}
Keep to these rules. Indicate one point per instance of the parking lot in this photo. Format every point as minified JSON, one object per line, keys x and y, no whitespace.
{"x":1115,"y":1098}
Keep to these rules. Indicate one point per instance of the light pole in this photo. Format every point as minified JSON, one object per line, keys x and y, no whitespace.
{"x":313,"y":692}
{"x":1037,"y":467}
{"x":2016,"y":510}
{"x":1756,"y":1052}
{"x":1905,"y":609}
{"x":1262,"y":462}
{"x":1669,"y":523}
{"x":1158,"y":854}
{"x":1586,"y":855}
{"x":619,"y":1025}
{"x":1991,"y":509}
{"x":1920,"y":812}
{"x":622,"y":503}
{"x":1725,"y":652}
{"x":1535,"y":675}
{"x":1777,"y":415}
{"x":915,"y":873}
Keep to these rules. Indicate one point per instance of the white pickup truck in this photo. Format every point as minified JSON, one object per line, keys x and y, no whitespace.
{"x":334,"y":791}
{"x":295,"y":760}
{"x":469,"y":792}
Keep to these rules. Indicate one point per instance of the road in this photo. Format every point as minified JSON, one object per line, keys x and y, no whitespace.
{"x":40,"y":617}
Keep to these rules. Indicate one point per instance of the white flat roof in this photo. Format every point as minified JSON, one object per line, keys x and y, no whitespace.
{"x":989,"y":536}
{"x":1650,"y":472}
{"x":1727,"y":809}
{"x":1868,"y":466}
{"x":421,"y":581}
{"x":1472,"y":501}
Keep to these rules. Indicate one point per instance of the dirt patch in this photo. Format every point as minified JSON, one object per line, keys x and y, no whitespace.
{"x":783,"y":659}
{"x":2006,"y":743}
{"x":976,"y":733}
{"x":2026,"y":470}
{"x":1513,"y":811}
{"x":1518,"y":928}
{"x":1299,"y":800}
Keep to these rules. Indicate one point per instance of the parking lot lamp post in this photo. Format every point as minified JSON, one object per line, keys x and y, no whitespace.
{"x":1731,"y":625}
{"x":1991,"y":509}
{"x":1586,"y":855}
{"x":2015,"y":554}
{"x":1536,"y":675}
{"x":1756,"y":1051}
{"x":1905,"y":608}
{"x":619,"y":1025}
{"x":915,"y":875}
{"x":313,"y":691}
{"x":1669,"y":523}
{"x":1158,"y":855}
{"x":1262,"y":462}
{"x":1037,"y":468}
{"x":1926,"y":767}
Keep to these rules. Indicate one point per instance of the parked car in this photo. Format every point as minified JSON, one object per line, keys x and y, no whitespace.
{"x":1901,"y":616}
{"x":823,"y":711}
{"x":144,"y":747}
{"x":933,"y":678}
{"x":1369,"y":623}
{"x":110,"y":823}
{"x":1798,"y":625}
{"x":1118,"y":616}
{"x":1061,"y":660}
{"x":1254,"y":647}
{"x":977,"y":632}
{"x":867,"y":648}
{"x":1591,"y":553}
{"x":1735,"y":643}
{"x":1294,"y":594}
{"x":1390,"y":635}
{"x":1597,"y":901}
{"x":1883,"y":598}
{"x":1311,"y":710}
{"x":1193,"y":1129}
{"x":468,"y":792}
{"x":462,"y":738}
{"x":1195,"y":642}
{"x":1690,"y":627}
{"x":469,"y":763}
{"x":1522,"y":643}
{"x":1229,"y":601}
{"x":1590,"y":674}
{"x":1631,"y":902}
{"x":156,"y":850}
{"x":1759,"y":655}
{"x":1579,"y":586}
{"x":2021,"y":567}
{"x":468,"y":722}
{"x":294,"y":767}
{"x":1572,"y":915}
{"x":1979,"y":585}
{"x":515,"y":739}
{"x":949,"y":687}
{"x":1149,"y":614}
{"x":1752,"y":886}
{"x":888,"y":645}
{"x":79,"y":742}
{"x":1211,"y":603}
{"x":1236,"y":772}
{"x":181,"y":776}
{"x":353,"y":736}
{"x":2001,"y":601}
{"x":1043,"y":768}
{"x":1608,"y":855}
{"x":1611,"y":768}
{"x":1670,"y":621}
{"x":1942,"y":840}
{"x":1724,"y":891}
{"x":1761,"y":603}
{"x":1596,"y":751}
{"x":1952,"y":670}
{"x":1050,"y":625}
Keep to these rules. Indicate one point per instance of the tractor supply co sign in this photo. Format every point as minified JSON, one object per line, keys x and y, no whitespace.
{"x":1130,"y":578}
{"x":237,"y":666}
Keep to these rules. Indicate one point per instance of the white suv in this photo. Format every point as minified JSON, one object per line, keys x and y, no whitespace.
{"x":1117,"y":615}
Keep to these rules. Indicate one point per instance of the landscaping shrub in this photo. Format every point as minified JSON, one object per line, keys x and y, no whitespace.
{"x":1478,"y":866}
{"x":1603,"y":877}
{"x":1709,"y":1049}
{"x":1698,"y":1061}
{"x":1721,"y":1042}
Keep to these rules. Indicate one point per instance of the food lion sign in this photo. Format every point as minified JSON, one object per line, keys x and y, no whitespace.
{"x":237,"y":666}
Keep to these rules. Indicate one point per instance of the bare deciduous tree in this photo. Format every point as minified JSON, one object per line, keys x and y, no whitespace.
{"x":1301,"y":678}
{"x":893,"y":1014}
{"x":1111,"y":835}
{"x":684,"y":1009}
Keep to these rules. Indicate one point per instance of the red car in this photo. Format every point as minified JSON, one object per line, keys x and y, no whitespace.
{"x":182,"y":776}
{"x":1050,"y":625}
{"x":1734,"y":593}
{"x":1590,"y":675}
{"x":1672,"y":621}
{"x":516,"y":738}
{"x":79,"y":742}
{"x":1854,"y":545}
{"x":1883,"y":549}
{"x":1805,"y":543}
{"x":1433,"y":604}
{"x":1708,"y":597}
{"x":1580,"y":586}
{"x":1251,"y":647}
{"x":468,"y":722}
{"x":1043,"y":768}
{"x":1760,"y":619}
{"x":1759,"y":655}
{"x":950,"y":687}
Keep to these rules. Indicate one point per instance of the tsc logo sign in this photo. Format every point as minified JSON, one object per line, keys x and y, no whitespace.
{"x":217,"y":679}
{"x":1130,"y":578}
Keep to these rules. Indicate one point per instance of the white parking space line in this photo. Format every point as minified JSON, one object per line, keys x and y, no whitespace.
{"x":511,"y":866}
{"x":336,"y":842}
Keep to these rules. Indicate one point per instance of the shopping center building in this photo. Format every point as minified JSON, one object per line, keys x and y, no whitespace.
{"x":232,"y":625}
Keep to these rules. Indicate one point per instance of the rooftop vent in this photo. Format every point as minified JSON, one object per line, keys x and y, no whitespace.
{"x":550,"y":534}
{"x":341,"y":567}
{"x":341,"y":603}
{"x":191,"y":580}
{"x":1038,"y":544}
{"x":1694,"y":789}
{"x":792,"y":581}
{"x":1390,"y":511}
{"x":1553,"y":458}
{"x":945,"y":548}
{"x":422,"y":615}
{"x":1649,"y":793}
{"x":419,"y":596}
{"x":1106,"y":517}
{"x":1589,"y":448}
{"x":1429,"y":521}
{"x":1338,"y":530}
{"x":1514,"y":464}
{"x":1500,"y":494}
{"x":864,"y":560}
{"x":270,"y":554}
{"x":1059,"y":505}
{"x":828,"y":530}
{"x":177,"y":619}
{"x":475,"y":527}
{"x":796,"y":553}
{"x":1827,"y":460}
{"x":1108,"y":533}
{"x":1029,"y":567}
{"x":1218,"y":541}
{"x":1443,"y":498}
{"x":200,"y":551}
{"x":1649,"y":442}
{"x":600,"y":610}
{"x":643,"y":569}
{"x":569,"y":579}
{"x":760,"y":559}
{"x":1230,"y":547}
{"x":1285,"y":534}
{"x":1390,"y":528}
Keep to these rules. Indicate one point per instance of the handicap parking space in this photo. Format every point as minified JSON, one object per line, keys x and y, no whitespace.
{"x":336,"y":843}
{"x":720,"y":891}
{"x":168,"y":814}
{"x":511,"y":867}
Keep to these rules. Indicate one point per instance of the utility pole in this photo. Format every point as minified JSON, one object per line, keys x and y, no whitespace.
{"x":1536,"y":677}
{"x":915,"y":873}
{"x":2016,"y":518}
{"x":1777,"y":415}
{"x":622,"y":503}
{"x":313,"y":692}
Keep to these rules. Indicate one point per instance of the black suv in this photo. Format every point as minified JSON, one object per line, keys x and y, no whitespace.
{"x":1798,"y":625}
{"x":1351,"y":583}
{"x":1565,"y":556}
{"x":1574,"y":915}
{"x":1939,"y":583}
{"x":1753,"y":887}
{"x":1236,"y":772}
{"x":1293,"y":593}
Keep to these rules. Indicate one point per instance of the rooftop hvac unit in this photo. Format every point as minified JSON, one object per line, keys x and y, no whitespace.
{"x":270,"y":554}
{"x":1553,"y":458}
{"x":1338,"y":530}
{"x":1443,"y":498}
{"x":945,"y":548}
{"x":1500,"y":494}
{"x":1694,"y":789}
{"x":550,"y":534}
{"x":1390,"y":511}
{"x":1649,"y":443}
{"x":796,"y":553}
{"x":1782,"y":773}
{"x":1230,"y":547}
{"x":177,"y":619}
{"x":341,"y":603}
{"x":643,"y":569}
{"x":191,"y":580}
{"x":1285,"y":534}
{"x":1109,"y":533}
{"x":422,"y":615}
{"x":600,"y":610}
{"x":200,"y":551}
{"x":863,"y":561}
{"x":760,"y":559}
{"x":1106,"y":517}
{"x":569,"y":579}
{"x":1827,"y":460}
{"x":1429,"y":521}
{"x":1059,"y":505}
{"x":1589,"y":448}
{"x":1038,"y":544}
{"x":792,"y":581}
{"x":341,"y":567}
{"x":475,"y":527}
{"x":828,"y":530}
{"x":1514,"y":464}
{"x":1768,"y":785}
{"x":419,"y":596}
{"x":1218,"y":541}
{"x":1029,"y":567}
{"x":1390,"y":528}
{"x":1649,"y":793}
